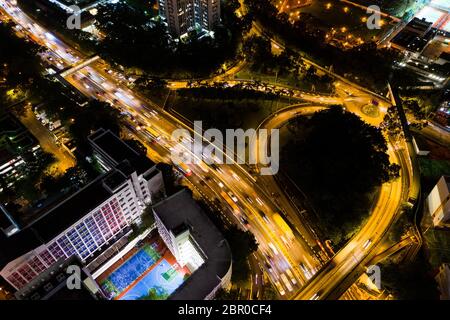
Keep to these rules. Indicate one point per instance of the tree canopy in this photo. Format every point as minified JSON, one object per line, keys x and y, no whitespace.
{"x":338,"y":160}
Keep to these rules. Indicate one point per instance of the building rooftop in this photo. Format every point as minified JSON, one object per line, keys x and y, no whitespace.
{"x":52,"y":284}
{"x":114,"y":151}
{"x":15,"y":139}
{"x":56,"y":219}
{"x":409,"y":40}
{"x":181,"y":211}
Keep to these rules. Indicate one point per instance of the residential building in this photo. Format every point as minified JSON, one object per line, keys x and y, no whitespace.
{"x":183,"y":16}
{"x":89,"y":221}
{"x":67,"y":279}
{"x":438,"y":203}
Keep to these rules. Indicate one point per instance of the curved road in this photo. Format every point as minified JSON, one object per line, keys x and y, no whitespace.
{"x":330,"y":281}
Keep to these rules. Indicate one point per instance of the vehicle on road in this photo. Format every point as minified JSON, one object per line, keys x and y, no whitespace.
{"x":230,"y":202}
{"x":263,"y":216}
{"x":184,"y":169}
{"x":316,"y":296}
{"x":367,"y":244}
{"x":286,"y":282}
{"x":232,"y":196}
{"x":291,"y":276}
{"x":203,"y":166}
{"x":281,"y":223}
{"x":272,"y":247}
{"x":153,"y":133}
{"x":280,"y":288}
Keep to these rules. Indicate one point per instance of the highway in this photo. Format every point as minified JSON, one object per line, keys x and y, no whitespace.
{"x":359,"y":249}
{"x":348,"y":264}
{"x":279,"y":258}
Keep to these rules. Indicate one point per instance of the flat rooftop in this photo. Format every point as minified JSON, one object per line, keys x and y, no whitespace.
{"x":118,"y":151}
{"x":56,"y":219}
{"x":15,"y":139}
{"x":180,"y":209}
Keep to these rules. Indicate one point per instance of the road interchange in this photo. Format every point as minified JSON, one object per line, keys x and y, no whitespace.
{"x":94,"y":79}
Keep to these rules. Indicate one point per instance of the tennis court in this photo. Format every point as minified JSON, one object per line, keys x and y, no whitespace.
{"x":158,"y":284}
{"x":121,"y":278}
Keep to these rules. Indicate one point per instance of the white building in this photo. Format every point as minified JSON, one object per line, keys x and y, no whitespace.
{"x":438,"y":202}
{"x":196,"y":243}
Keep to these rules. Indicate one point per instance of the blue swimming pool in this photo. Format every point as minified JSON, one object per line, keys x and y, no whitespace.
{"x":157,"y":284}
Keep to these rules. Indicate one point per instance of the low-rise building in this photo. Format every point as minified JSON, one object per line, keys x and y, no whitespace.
{"x":19,"y":150}
{"x":196,"y":243}
{"x":67,"y":279}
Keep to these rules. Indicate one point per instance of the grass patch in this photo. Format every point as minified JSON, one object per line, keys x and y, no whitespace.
{"x":337,"y":18}
{"x":431,"y":170}
{"x":227,"y":113}
{"x":438,"y":246}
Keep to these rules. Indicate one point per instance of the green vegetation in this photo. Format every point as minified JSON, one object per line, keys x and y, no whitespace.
{"x":135,"y":41}
{"x":399,"y":8}
{"x":422,"y":104}
{"x":431,"y":170}
{"x":156,"y":293}
{"x":20,"y":65}
{"x":335,"y":17}
{"x":90,"y":118}
{"x":364,"y":64}
{"x":146,"y":6}
{"x":400,"y":227}
{"x":409,"y":281}
{"x":339,"y":161}
{"x":218,"y":107}
{"x":223,"y":294}
{"x":437,"y":246}
{"x":242,"y":244}
{"x":286,"y":68}
{"x":169,"y":178}
{"x":147,"y":221}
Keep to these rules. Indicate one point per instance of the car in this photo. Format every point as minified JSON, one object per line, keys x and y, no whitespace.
{"x":316,"y":296}
{"x":367,"y":244}
{"x":259,"y":201}
{"x":263,"y":215}
{"x":272,"y":247}
{"x":243,"y":220}
{"x":232,"y":196}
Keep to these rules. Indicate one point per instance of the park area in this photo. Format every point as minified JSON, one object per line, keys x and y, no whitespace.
{"x":147,"y":272}
{"x":344,"y":22}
